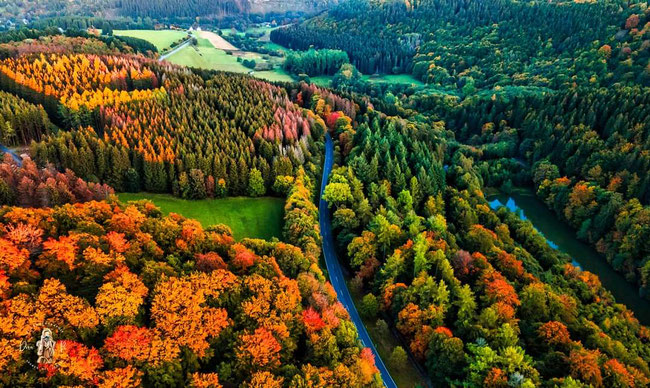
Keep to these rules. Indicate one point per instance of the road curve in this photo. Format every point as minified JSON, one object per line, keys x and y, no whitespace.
{"x":175,"y":50}
{"x":334,"y":267}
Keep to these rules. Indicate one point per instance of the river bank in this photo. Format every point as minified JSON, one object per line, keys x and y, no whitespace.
{"x":562,"y":237}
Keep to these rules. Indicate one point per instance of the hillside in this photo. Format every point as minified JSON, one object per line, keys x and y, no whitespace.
{"x":13,"y":13}
{"x":453,"y":43}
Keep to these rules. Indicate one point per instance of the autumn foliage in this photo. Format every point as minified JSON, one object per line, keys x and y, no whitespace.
{"x":128,"y":306}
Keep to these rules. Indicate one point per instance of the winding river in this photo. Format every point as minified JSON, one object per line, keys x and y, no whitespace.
{"x":562,"y":237}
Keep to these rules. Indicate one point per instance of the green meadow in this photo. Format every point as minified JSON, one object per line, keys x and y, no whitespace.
{"x":247,"y":217}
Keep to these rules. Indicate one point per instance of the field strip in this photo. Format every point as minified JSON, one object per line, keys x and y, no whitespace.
{"x":217,"y":41}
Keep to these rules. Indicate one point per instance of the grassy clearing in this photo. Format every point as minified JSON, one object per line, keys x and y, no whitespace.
{"x":325,"y":81}
{"x":247,"y":217}
{"x":161,"y":39}
{"x":275,"y":47}
{"x":408,"y":377}
{"x":207,"y":57}
{"x":275,"y":75}
{"x":393,"y":79}
{"x":252,"y":30}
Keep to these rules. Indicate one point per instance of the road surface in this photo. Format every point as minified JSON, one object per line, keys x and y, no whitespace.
{"x":334,"y":267}
{"x":175,"y":50}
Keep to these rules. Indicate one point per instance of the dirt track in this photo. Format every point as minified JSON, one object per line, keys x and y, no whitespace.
{"x":217,"y":41}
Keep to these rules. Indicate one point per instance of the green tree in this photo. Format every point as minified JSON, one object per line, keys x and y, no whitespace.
{"x":369,"y":306}
{"x":197,"y":184}
{"x":337,"y":193}
{"x":256,"y":186}
{"x":398,"y":358}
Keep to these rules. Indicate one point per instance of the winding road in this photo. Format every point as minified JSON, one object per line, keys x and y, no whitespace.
{"x":334,"y":267}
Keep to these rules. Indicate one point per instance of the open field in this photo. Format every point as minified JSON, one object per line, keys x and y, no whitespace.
{"x":217,"y":41}
{"x":209,"y":54}
{"x":247,"y":217}
{"x":275,"y":47}
{"x":161,"y":39}
{"x":275,"y":75}
{"x":393,"y":79}
{"x":253,"y":30}
{"x":206,"y":56}
{"x":325,"y":80}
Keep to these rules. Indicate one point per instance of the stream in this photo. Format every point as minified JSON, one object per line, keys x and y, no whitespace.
{"x":562,"y":237}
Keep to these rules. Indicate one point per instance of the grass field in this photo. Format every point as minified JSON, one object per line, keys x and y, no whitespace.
{"x":394,"y":79}
{"x":206,"y":56}
{"x":161,"y":39}
{"x":275,"y":47}
{"x":252,"y":30}
{"x":325,"y":80}
{"x":247,"y":217}
{"x":275,"y":75}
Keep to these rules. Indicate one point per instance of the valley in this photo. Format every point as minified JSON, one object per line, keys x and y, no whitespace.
{"x":350,"y":193}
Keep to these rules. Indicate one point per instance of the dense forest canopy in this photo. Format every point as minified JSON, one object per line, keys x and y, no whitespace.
{"x":137,"y":124}
{"x":137,"y":298}
{"x":454,"y":43}
{"x":553,"y":95}
{"x":478,"y":294}
{"x":17,"y":13}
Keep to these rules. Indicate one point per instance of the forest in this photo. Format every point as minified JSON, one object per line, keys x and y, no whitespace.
{"x":136,"y":298}
{"x":315,"y":62}
{"x":146,"y":13}
{"x":460,"y":45}
{"x":136,"y":124}
{"x":479,"y":296}
{"x":552,"y":96}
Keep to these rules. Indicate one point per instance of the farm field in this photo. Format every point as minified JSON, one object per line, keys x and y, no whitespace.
{"x":206,"y":56}
{"x":216,"y":40}
{"x":247,"y":217}
{"x":162,"y":39}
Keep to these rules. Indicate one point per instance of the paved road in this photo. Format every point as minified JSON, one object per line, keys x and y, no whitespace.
{"x":177,"y":48}
{"x":335,"y":271}
{"x":17,"y":159}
